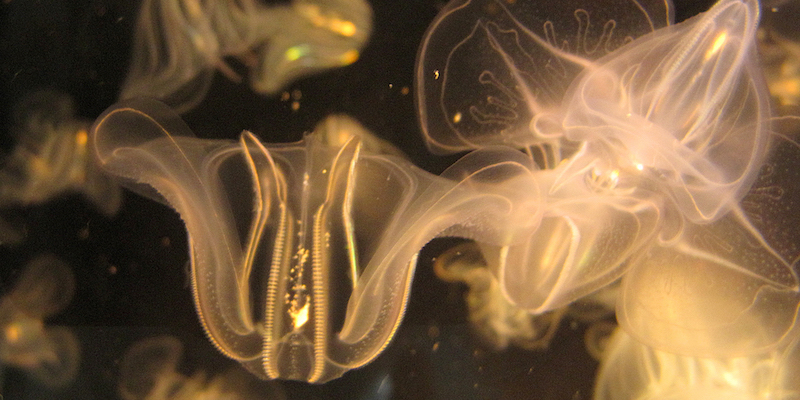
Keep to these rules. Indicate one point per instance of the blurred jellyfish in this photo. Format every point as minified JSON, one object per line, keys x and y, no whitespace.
{"x":180,"y":43}
{"x":780,"y":57}
{"x":51,"y":355}
{"x":51,"y":156}
{"x":632,"y":370}
{"x":149,"y":371}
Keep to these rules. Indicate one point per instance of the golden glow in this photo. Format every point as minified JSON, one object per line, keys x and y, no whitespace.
{"x":82,"y":137}
{"x":300,"y":317}
{"x":344,"y":28}
{"x":334,"y":24}
{"x":457,"y":117}
{"x":349,"y":57}
{"x":718,"y":42}
{"x":12,"y":333}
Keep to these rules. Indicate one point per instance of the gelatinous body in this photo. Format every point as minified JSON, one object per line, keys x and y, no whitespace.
{"x":302,"y":254}
{"x":660,"y":162}
{"x":51,"y":157}
{"x":180,"y":43}
{"x":51,"y":355}
{"x":631,"y":370}
{"x":730,"y":287}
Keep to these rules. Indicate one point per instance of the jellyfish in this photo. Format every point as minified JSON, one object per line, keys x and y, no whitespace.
{"x":491,"y":73}
{"x":149,"y":371}
{"x":662,"y":164}
{"x":50,"y":355}
{"x":302,"y":254}
{"x":51,"y":157}
{"x":631,"y":370}
{"x":179,"y":44}
{"x":727,"y":288}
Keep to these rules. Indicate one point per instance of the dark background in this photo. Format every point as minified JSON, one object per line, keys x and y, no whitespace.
{"x":131,"y":269}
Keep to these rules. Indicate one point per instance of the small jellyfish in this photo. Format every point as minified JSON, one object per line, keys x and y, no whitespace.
{"x":51,"y":157}
{"x":51,"y":355}
{"x":149,"y":371}
{"x":179,"y":44}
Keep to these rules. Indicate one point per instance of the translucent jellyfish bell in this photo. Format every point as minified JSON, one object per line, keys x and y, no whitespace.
{"x":49,"y":354}
{"x":180,"y":43}
{"x":494,"y":72}
{"x":302,"y":254}
{"x":728,"y":288}
{"x":687,"y":104}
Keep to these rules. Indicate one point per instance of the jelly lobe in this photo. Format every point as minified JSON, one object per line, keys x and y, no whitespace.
{"x":314,"y":281}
